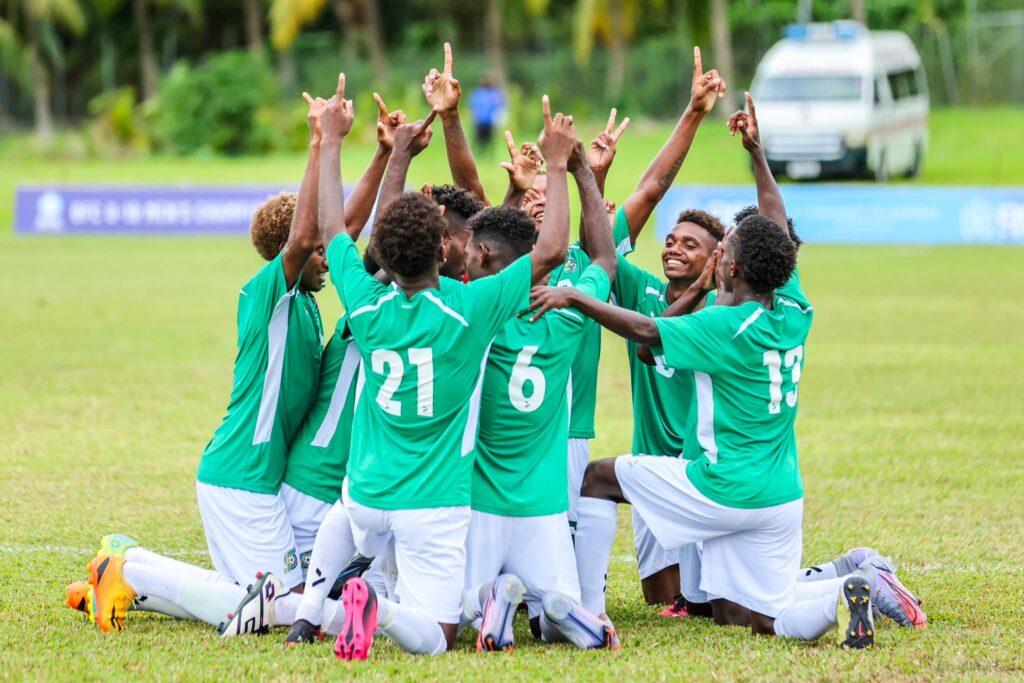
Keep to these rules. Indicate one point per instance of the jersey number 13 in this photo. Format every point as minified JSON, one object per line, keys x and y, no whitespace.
{"x":792,"y":360}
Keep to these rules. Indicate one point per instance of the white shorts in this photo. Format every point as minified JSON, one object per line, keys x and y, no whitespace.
{"x":750,"y":557}
{"x":690,"y":565}
{"x":248,"y":533}
{"x":579,"y":457}
{"x":651,"y":558}
{"x":536,"y":549}
{"x":430,"y":553}
{"x":306,"y":514}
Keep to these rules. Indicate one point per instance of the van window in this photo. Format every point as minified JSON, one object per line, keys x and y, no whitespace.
{"x":879,"y":84}
{"x":810,"y":88}
{"x":903,"y":84}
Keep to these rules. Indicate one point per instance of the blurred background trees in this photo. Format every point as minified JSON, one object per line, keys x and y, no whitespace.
{"x":118,"y":64}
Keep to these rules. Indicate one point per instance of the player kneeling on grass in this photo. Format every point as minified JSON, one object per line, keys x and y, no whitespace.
{"x":743,"y":497}
{"x":519,"y":543}
{"x":248,"y":523}
{"x":423,"y":352}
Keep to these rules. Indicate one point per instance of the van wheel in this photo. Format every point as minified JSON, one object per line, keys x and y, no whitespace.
{"x":881,"y":172}
{"x":915,"y":168}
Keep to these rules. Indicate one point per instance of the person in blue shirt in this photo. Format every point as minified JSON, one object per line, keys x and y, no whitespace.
{"x":486,"y":104}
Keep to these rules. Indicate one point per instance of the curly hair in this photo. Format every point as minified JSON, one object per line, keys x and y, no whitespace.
{"x":271,"y":224}
{"x":457,"y":199}
{"x":765,"y":255}
{"x":712,"y":225}
{"x":511,"y":226}
{"x":406,"y":237}
{"x":751,"y":210}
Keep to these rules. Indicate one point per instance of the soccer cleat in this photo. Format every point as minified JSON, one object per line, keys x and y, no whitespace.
{"x":115,"y":545}
{"x":505,"y":596}
{"x":356,"y":637}
{"x":302,"y":632}
{"x":855,"y":609}
{"x":357,"y":567}
{"x":889,"y":594}
{"x":577,"y":625}
{"x":676,"y":609}
{"x":81,"y":597}
{"x":112,"y":595}
{"x":845,"y":564}
{"x":255,"y":612}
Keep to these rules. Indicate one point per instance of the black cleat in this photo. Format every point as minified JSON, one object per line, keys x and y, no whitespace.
{"x":357,"y":567}
{"x":303,"y":632}
{"x":855,"y":604}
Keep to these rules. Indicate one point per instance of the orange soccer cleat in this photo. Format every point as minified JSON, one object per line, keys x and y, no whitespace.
{"x":112,"y":595}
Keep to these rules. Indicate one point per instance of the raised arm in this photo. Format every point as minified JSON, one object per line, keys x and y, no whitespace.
{"x":769,"y":199}
{"x":304,"y":235}
{"x":522,"y":169}
{"x":595,"y":236}
{"x":336,"y":122}
{"x":705,"y":89}
{"x":623,"y":322}
{"x":556,"y":143}
{"x":410,"y":140}
{"x":360,"y":203}
{"x":443,"y":93}
{"x":602,"y":149}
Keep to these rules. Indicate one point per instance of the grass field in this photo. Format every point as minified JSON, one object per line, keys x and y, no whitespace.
{"x":116,"y":366}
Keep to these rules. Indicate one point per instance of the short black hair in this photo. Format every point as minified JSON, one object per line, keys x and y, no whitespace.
{"x":710,"y":223}
{"x":407,"y":236}
{"x":511,"y":225}
{"x":751,"y":210}
{"x":458,"y":199}
{"x":764,"y":253}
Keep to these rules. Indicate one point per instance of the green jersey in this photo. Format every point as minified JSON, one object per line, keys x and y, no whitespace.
{"x":277,"y":371}
{"x":662,"y":395}
{"x":521,"y":451}
{"x":588,"y":357}
{"x":423,"y":355}
{"x":319,"y":452}
{"x":746,"y":362}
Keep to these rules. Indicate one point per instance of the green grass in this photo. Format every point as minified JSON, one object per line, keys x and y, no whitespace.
{"x":116,"y":365}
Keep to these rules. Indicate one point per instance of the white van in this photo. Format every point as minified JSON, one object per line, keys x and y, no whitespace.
{"x":837,"y":99}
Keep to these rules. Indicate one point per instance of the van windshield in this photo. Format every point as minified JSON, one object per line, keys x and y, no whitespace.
{"x":810,"y":88}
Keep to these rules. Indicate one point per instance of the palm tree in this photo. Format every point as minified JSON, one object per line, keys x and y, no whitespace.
{"x":147,"y":53}
{"x":721,"y":46}
{"x":253,"y":14}
{"x":21,"y":55}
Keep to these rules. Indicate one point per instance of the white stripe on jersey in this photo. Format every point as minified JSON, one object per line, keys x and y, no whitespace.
{"x":568,"y":313}
{"x":706,"y":415}
{"x":325,"y":432}
{"x":473,"y":419}
{"x":748,"y":322}
{"x":369,"y":308}
{"x":277,"y":338}
{"x":429,"y":296}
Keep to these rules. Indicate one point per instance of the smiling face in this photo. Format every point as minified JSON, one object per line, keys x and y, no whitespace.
{"x":458,"y":237}
{"x":687,"y":249}
{"x":314,"y":275}
{"x":536,"y":200}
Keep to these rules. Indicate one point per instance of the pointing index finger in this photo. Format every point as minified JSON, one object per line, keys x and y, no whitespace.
{"x":697,"y":67}
{"x":545,"y":105}
{"x":448,"y":57}
{"x":426,"y":122}
{"x":611,"y":120}
{"x":510,"y":143}
{"x":621,"y":129}
{"x":750,"y":103}
{"x":341,"y":86}
{"x":309,"y":100}
{"x":380,"y":105}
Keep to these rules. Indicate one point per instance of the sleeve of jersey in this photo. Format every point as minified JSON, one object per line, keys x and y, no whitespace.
{"x":593,"y":282}
{"x":627,"y":285}
{"x":493,"y":300}
{"x":620,"y":233}
{"x":693,"y":342}
{"x":261,"y":293}
{"x":355,"y":286}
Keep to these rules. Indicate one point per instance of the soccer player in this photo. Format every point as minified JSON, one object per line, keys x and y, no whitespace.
{"x":423,"y":351}
{"x":662,"y":396}
{"x":519,"y":542}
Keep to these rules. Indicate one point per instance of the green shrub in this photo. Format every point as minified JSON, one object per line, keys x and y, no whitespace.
{"x":215,"y":107}
{"x":115,"y":126}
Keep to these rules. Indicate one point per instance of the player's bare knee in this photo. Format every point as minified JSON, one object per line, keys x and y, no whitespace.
{"x":762,"y":625}
{"x":599,"y":480}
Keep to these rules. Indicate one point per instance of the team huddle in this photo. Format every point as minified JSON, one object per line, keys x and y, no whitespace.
{"x":428,"y":469}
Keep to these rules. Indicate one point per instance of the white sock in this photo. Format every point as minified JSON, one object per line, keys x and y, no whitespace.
{"x":208,"y":601}
{"x":811,"y":590}
{"x":151,"y":559}
{"x":410,"y":629}
{"x":473,"y":601}
{"x":819,"y":573}
{"x":808,"y":619}
{"x":285,"y":607}
{"x":333,"y":549}
{"x":334,"y":617}
{"x":595,"y":533}
{"x":151,"y":603}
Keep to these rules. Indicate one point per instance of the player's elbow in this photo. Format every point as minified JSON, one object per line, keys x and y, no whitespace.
{"x":646,"y":332}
